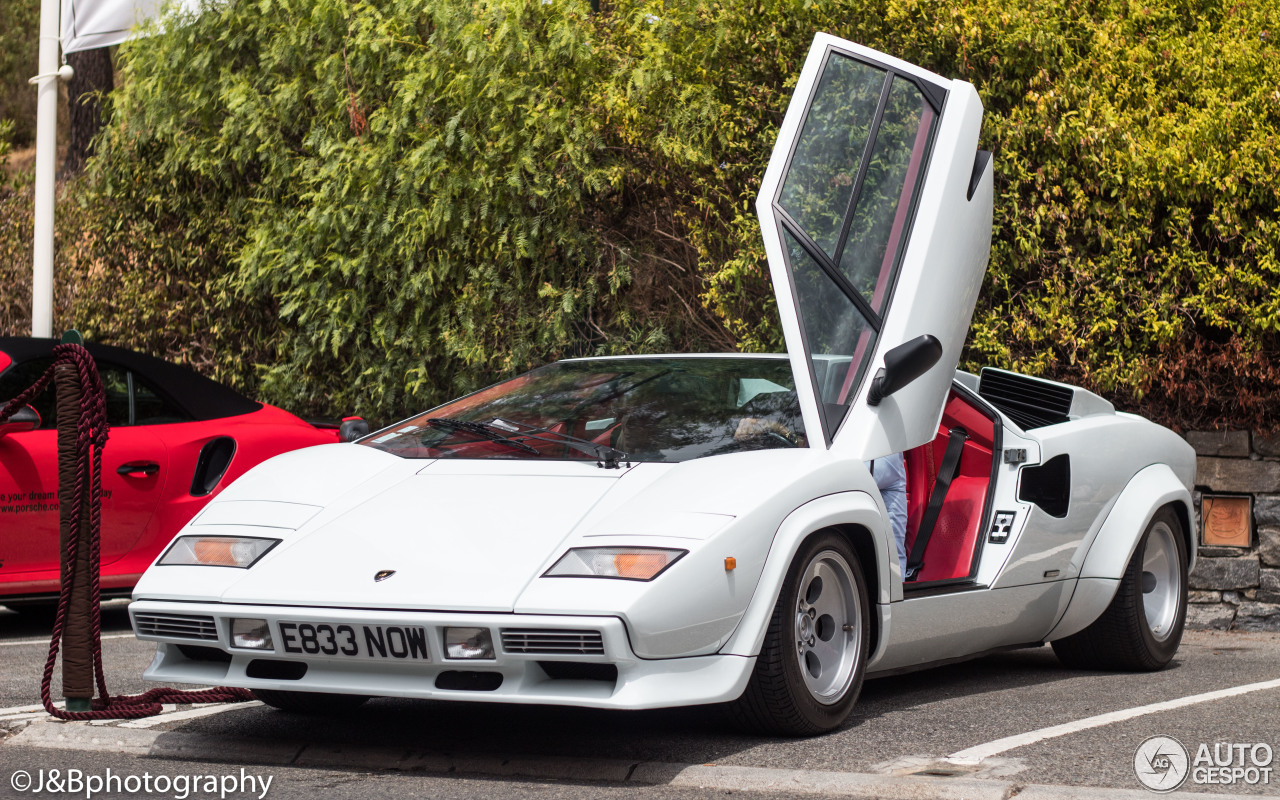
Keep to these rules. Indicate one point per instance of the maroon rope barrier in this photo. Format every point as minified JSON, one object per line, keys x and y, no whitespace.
{"x":91,"y":438}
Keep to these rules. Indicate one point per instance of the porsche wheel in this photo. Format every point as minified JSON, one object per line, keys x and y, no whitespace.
{"x":1142,"y":628}
{"x":810,"y":668}
{"x":318,"y":703}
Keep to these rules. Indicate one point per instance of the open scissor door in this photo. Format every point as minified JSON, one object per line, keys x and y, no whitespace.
{"x":876,"y":214}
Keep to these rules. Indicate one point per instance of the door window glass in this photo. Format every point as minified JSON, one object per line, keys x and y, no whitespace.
{"x":115,"y":381}
{"x":839,"y":338}
{"x":150,"y":408}
{"x":876,"y":232}
{"x":823,"y":169}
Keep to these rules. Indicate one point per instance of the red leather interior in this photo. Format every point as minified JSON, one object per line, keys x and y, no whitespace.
{"x":955,"y":537}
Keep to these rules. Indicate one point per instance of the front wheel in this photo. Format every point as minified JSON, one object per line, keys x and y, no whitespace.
{"x":810,"y":668}
{"x":1142,"y":628}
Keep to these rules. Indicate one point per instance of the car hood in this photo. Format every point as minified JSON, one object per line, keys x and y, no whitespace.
{"x":457,"y":535}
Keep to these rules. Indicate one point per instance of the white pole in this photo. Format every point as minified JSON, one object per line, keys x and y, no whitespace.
{"x":46,"y":165}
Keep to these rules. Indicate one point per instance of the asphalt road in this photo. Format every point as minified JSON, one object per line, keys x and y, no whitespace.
{"x":902,"y":726}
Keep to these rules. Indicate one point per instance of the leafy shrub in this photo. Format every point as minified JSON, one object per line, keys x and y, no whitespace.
{"x":371,"y":206}
{"x":6,"y":131}
{"x":71,"y":242}
{"x":381,"y":207}
{"x":19,"y":50}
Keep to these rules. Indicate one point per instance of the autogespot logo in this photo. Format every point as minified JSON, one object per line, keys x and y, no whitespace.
{"x":1161,"y":763}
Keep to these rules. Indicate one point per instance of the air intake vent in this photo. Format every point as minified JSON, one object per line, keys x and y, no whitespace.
{"x":552,"y":642}
{"x":214,"y":459}
{"x":177,"y":626}
{"x":1030,"y":402}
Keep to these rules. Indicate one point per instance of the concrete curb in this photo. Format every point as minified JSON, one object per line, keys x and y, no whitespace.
{"x":48,"y":734}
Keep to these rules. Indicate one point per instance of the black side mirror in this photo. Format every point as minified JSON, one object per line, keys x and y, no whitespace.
{"x":352,"y":428}
{"x":902,"y":365}
{"x":24,"y":419}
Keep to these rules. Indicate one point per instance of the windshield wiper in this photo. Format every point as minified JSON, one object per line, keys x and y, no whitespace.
{"x":606,"y":457}
{"x":481,"y":429}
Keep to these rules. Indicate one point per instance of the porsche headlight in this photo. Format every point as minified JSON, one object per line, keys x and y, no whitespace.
{"x":217,"y":551}
{"x":632,"y":563}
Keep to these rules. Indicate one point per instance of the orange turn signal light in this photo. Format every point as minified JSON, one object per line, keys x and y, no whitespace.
{"x":214,"y":551}
{"x":640,"y":565}
{"x":730,"y":564}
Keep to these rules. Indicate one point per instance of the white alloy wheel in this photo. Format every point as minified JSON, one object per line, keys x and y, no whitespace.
{"x":828,"y":621}
{"x":1161,"y":580}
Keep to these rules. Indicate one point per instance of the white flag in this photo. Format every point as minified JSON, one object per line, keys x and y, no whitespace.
{"x":87,"y":24}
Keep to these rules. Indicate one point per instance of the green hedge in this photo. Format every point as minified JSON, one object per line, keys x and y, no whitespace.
{"x":19,"y":56}
{"x":372,"y":206}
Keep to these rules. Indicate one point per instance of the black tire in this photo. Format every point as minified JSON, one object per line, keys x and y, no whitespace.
{"x":1123,"y":637}
{"x":779,"y":699}
{"x":317,"y":703}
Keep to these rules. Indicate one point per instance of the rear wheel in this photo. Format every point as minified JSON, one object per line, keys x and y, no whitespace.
{"x":1142,"y":628}
{"x":810,"y":668}
{"x":310,"y":702}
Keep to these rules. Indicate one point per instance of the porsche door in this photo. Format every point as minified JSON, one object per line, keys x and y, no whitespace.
{"x":134,"y":463}
{"x":876,"y":214}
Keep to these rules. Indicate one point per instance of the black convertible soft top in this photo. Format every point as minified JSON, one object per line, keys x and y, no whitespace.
{"x":199,"y":396}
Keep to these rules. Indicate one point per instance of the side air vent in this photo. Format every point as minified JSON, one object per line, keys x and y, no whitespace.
{"x":1030,"y":402}
{"x":214,"y":459}
{"x":552,"y":642}
{"x":1048,"y":485}
{"x":177,"y":626}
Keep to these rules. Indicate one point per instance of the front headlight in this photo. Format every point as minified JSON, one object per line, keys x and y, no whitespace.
{"x":632,"y":563}
{"x":217,"y":551}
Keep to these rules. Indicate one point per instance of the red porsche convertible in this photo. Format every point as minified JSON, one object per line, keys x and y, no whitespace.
{"x":176,"y":439}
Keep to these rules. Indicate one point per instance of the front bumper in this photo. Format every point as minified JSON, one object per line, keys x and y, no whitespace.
{"x":542,"y":659}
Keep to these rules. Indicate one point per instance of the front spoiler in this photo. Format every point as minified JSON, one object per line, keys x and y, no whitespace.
{"x":640,"y":684}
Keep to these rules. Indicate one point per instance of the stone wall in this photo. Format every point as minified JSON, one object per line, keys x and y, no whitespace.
{"x":1235,"y":588}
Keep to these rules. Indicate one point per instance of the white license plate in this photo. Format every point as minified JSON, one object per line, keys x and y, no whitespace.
{"x":352,"y":640}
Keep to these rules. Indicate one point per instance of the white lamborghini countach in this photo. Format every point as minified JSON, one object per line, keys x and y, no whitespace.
{"x":653,"y":531}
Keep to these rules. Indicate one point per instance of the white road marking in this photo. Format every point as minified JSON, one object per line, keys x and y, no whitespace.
{"x":194,"y":713}
{"x":974,"y":755}
{"x":45,"y":641}
{"x":21,"y":710}
{"x":20,"y":717}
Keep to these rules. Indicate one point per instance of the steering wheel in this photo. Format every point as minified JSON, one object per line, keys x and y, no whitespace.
{"x":785,"y":442}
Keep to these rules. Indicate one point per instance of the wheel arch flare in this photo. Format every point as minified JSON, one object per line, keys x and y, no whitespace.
{"x":856,"y":516}
{"x":1153,"y":488}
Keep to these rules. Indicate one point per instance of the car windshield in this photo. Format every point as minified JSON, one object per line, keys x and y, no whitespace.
{"x":651,"y":409}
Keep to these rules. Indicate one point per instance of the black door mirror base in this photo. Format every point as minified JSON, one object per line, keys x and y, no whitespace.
{"x":902,"y":365}
{"x":23,"y":420}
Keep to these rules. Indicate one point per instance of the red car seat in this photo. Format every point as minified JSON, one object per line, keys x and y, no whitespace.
{"x":951,"y":548}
